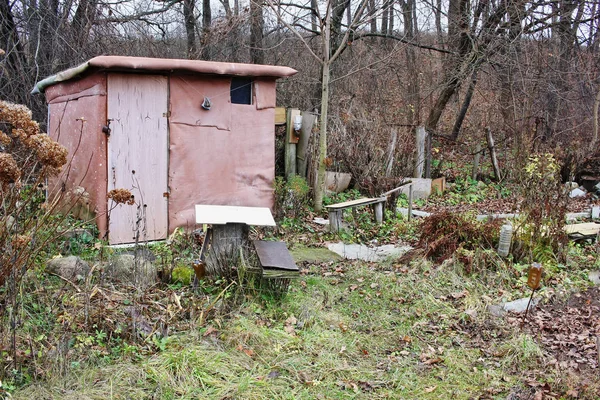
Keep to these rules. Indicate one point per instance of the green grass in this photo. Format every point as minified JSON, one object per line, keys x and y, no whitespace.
{"x":344,"y":331}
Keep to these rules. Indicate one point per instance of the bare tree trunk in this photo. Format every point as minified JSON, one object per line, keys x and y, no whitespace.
{"x":438,"y":22}
{"x":384,"y":18}
{"x":372,"y":12}
{"x":595,"y":122}
{"x":326,"y":41}
{"x":414,"y":95}
{"x":465,"y":107}
{"x":227,"y":8}
{"x":15,"y":61}
{"x":190,"y":28}
{"x":256,"y":33}
{"x":459,"y":41}
{"x":313,"y":15}
{"x":206,"y":22}
{"x":392,"y":16}
{"x":492,"y":149}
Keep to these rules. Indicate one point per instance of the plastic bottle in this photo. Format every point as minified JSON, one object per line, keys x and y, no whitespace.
{"x":505,"y":239}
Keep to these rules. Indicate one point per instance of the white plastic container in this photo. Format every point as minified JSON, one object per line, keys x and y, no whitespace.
{"x":505,"y":239}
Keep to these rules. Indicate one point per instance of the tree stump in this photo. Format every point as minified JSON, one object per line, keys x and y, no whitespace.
{"x":229,"y":246}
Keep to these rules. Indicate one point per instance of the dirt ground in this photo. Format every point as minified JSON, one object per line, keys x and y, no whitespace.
{"x":569,"y":334}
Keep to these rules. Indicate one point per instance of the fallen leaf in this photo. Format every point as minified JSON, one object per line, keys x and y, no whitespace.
{"x":459,"y":295}
{"x":432,"y":361}
{"x":289,"y":329}
{"x":210,"y":330}
{"x":430,"y":389}
{"x":343,"y":327}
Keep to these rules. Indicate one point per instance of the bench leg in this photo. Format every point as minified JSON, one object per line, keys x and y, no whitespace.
{"x":378,"y":212}
{"x":335,"y":220}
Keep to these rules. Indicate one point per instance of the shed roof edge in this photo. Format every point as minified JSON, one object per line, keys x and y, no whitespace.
{"x":123,"y":63}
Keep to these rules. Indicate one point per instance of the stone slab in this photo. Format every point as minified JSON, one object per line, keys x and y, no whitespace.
{"x":518,"y":306}
{"x":594,"y":276}
{"x":421,"y":188}
{"x":415,"y":213}
{"x":363,"y":252}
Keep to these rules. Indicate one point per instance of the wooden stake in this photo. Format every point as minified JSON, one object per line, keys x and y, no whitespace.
{"x":490,"y":141}
{"x":410,"y":200}
{"x":420,"y":140}
{"x":476,"y":162}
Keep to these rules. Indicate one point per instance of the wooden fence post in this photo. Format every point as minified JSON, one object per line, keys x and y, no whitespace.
{"x":391,"y":152}
{"x":475,"y":171}
{"x":308,"y":121}
{"x":421,"y":136}
{"x":410,"y":201}
{"x":290,"y":143}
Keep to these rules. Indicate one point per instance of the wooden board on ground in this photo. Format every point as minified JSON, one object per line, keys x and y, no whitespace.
{"x":588,"y":229}
{"x":276,"y":260}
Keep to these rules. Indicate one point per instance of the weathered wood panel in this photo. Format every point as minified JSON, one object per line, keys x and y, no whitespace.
{"x":137,"y":155}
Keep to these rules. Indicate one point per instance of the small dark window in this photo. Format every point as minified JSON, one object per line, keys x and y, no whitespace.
{"x":241,"y":90}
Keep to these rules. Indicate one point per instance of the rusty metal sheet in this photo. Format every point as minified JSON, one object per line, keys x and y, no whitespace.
{"x":77,"y":123}
{"x":264,"y":93}
{"x":187,"y":94}
{"x":226,"y":168}
{"x":275,"y":255}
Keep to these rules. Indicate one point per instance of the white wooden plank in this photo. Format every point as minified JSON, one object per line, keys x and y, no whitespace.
{"x":220,"y":215}
{"x":137,"y":155}
{"x":356,"y":203}
{"x":586,"y":229}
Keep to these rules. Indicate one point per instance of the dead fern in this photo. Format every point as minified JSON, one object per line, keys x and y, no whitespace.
{"x":443,"y":233}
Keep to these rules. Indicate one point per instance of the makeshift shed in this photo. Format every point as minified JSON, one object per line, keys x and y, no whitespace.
{"x":176,"y":133}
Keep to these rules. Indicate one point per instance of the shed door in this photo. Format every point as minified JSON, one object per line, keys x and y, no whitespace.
{"x":138,"y":156}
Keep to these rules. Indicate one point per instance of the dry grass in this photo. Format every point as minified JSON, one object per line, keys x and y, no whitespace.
{"x":346,"y":330}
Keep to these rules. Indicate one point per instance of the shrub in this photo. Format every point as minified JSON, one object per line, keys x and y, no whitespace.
{"x":540,"y":234}
{"x":27,"y":158}
{"x":291,"y":197}
{"x":443,"y":233}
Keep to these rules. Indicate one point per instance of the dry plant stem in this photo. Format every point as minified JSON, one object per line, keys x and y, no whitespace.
{"x":598,"y":348}
{"x":205,"y":312}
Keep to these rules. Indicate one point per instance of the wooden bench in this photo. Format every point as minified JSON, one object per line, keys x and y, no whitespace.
{"x":336,"y":210}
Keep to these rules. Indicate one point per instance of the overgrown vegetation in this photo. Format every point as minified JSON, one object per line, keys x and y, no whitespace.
{"x":444,"y":233}
{"x":540,"y":233}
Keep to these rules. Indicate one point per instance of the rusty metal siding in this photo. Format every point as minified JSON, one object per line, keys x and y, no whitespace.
{"x":216,"y":167}
{"x":137,"y":155}
{"x":77,"y":113}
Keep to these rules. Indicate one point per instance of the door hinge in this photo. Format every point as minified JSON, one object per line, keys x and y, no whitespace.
{"x":106,"y":128}
{"x":167,"y":114}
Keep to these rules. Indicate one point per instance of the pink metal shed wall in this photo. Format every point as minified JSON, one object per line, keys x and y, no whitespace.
{"x":69,"y":102}
{"x":213,"y":166}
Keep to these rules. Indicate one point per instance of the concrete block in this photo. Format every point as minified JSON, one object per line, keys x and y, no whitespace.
{"x":421,"y":188}
{"x":337,"y":181}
